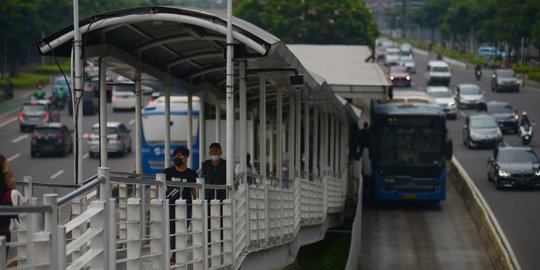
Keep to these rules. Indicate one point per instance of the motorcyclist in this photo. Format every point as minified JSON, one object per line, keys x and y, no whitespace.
{"x":62,"y":96}
{"x":524,"y":120}
{"x":478,"y":71}
{"x":478,"y":67}
{"x":40,"y":93}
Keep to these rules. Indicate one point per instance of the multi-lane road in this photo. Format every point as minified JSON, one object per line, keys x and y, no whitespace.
{"x":15,"y":146}
{"x":517,"y":211}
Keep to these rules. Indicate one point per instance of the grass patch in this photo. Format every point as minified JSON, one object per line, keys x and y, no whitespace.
{"x":26,"y":80}
{"x":331,"y":253}
{"x":535,"y":75}
{"x":53,"y":68}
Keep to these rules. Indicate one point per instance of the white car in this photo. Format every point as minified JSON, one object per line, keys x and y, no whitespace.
{"x":391,"y":56}
{"x":438,"y":73}
{"x":444,"y":97}
{"x":118,"y":139}
{"x":469,"y":95}
{"x":123,"y":95}
{"x":408,"y":62}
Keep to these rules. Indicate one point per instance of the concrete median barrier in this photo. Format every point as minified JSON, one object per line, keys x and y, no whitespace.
{"x":493,"y":237}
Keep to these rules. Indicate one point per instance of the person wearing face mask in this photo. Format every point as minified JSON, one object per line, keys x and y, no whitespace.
{"x":213,"y":171}
{"x":179,"y":173}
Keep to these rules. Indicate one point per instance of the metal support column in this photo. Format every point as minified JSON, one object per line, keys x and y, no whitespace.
{"x":202,"y":128}
{"x":307,"y":132}
{"x":316,"y":159}
{"x":167,"y":152}
{"x":297,"y":140}
{"x":103,"y":112}
{"x":190,"y":129}
{"x":218,"y":124}
{"x":243,"y":116}
{"x":290,"y":137}
{"x":138,"y":123}
{"x":279,"y":131}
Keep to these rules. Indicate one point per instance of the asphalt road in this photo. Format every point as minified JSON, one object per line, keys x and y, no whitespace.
{"x":516,"y":210}
{"x":15,"y":146}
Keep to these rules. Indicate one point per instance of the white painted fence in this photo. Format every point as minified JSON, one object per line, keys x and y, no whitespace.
{"x":131,"y":231}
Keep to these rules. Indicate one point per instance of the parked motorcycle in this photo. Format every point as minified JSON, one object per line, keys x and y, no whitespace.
{"x":526,"y":134}
{"x":478,"y":74}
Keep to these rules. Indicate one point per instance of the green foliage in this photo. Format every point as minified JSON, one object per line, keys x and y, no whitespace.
{"x":26,"y":80}
{"x":53,"y":68}
{"x":315,"y":21}
{"x":535,"y":75}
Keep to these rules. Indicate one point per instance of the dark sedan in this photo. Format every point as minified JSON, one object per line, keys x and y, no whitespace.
{"x":481,"y":131}
{"x":51,"y":138}
{"x":506,"y":116}
{"x":504,"y":80}
{"x":513,"y":167}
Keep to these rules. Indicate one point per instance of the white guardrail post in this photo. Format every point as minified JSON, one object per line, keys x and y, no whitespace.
{"x":109,"y":217}
{"x":134,"y":233}
{"x":51,"y":225}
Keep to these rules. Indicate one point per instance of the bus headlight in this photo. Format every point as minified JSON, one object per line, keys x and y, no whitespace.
{"x":537,"y":173}
{"x":503,"y":173}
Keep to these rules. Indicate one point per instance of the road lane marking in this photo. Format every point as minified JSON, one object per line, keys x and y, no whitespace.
{"x":8,"y":121}
{"x":131,"y":122}
{"x":57,"y":174}
{"x":463,"y":114}
{"x":85,"y":156}
{"x":13,"y":157}
{"x":20,"y":138}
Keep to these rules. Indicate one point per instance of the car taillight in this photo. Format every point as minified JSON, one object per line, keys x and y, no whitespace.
{"x":90,"y":136}
{"x":113,"y":97}
{"x":118,"y":137}
{"x":60,"y":137}
{"x":34,"y":138}
{"x":46,"y":117}
{"x":21,"y":116}
{"x":150,"y":101}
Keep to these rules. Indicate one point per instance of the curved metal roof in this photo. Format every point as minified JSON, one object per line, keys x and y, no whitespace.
{"x":183,"y":47}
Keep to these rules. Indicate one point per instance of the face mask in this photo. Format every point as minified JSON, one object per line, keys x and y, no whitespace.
{"x":178,"y":162}
{"x":214,"y":158}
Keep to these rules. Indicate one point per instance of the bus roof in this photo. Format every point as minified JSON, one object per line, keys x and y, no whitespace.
{"x":407,"y":103}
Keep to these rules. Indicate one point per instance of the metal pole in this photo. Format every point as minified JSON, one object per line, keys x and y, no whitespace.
{"x":307,"y":132}
{"x":218,"y":120}
{"x":167,"y":127}
{"x":190,"y":128}
{"x":77,"y":88}
{"x":271,"y":143}
{"x":243,"y":117}
{"x":138,"y":123}
{"x":290,"y":139}
{"x":262,"y":134}
{"x":103,"y":112}
{"x":297,"y":131}
{"x":202,"y":128}
{"x":230,"y":120}
{"x":279,"y":132}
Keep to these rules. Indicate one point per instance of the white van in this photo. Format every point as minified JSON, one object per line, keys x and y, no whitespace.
{"x":438,"y":73}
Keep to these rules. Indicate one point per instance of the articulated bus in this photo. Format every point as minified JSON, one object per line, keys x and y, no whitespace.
{"x":153,"y":132}
{"x":409,"y":148}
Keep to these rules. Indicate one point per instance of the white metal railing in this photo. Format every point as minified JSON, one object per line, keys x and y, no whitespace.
{"x":132,"y":230}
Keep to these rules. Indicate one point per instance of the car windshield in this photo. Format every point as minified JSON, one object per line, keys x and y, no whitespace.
{"x":34,"y":108}
{"x":441,"y":94}
{"x":398,"y":69}
{"x":483,"y":122}
{"x":392,"y":52}
{"x":517,"y":156}
{"x":407,"y":60}
{"x":45,"y":131}
{"x":124,"y":88}
{"x":439,"y":69}
{"x":499,"y":108}
{"x":110,"y":130}
{"x":506,"y":74}
{"x":470,"y":91}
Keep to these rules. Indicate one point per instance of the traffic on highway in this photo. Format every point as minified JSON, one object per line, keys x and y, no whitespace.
{"x":489,"y":116}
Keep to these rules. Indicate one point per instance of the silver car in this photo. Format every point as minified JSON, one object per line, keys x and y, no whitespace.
{"x":118,"y":139}
{"x":469,"y":95}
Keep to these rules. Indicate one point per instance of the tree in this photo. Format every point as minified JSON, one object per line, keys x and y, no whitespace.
{"x":312,"y":21}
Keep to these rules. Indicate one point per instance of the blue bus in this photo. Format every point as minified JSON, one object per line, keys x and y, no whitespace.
{"x":153,"y":132}
{"x":409,"y":147}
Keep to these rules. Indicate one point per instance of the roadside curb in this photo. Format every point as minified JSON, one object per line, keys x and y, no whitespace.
{"x":501,"y":254}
